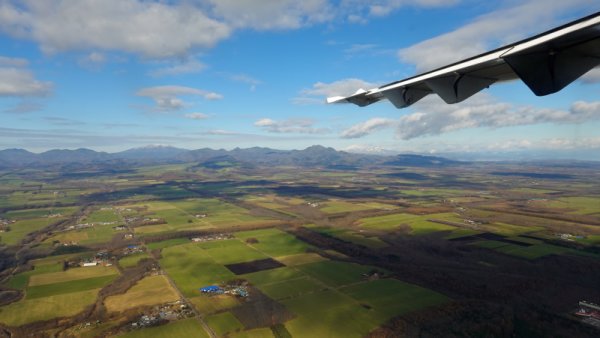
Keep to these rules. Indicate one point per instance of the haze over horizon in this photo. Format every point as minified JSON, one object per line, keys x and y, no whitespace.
{"x":226,"y":74}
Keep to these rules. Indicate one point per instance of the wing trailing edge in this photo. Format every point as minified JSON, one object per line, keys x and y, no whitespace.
{"x":546,"y":63}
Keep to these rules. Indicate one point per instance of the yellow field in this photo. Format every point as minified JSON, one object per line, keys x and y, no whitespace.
{"x":72,"y":274}
{"x":31,"y":310}
{"x":300,"y":259}
{"x":211,"y":304}
{"x":151,"y":290}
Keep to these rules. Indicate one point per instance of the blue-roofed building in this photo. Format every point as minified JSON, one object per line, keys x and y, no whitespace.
{"x":211,"y":289}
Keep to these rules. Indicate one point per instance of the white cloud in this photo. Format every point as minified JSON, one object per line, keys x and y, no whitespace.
{"x":434,"y":117}
{"x":149,"y":29}
{"x":272,"y":14}
{"x":21,"y":82}
{"x":321,"y":90}
{"x":167,"y":98}
{"x":299,"y":126}
{"x":488,"y":31}
{"x":243,"y":78}
{"x":360,"y":10}
{"x":12,"y":62}
{"x":368,"y":127}
{"x":593,"y":76}
{"x":196,"y":116}
{"x":178,"y":68}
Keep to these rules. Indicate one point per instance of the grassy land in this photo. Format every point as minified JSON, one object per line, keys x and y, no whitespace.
{"x":418,"y":224}
{"x":191,"y":267}
{"x":167,"y":243}
{"x":72,"y":274}
{"x":272,"y":275}
{"x":132,"y":260}
{"x":299,"y":259}
{"x":255,"y":333}
{"x":211,"y":304}
{"x":182,"y":328}
{"x":338,"y":206}
{"x":148,"y":291}
{"x":231,"y":251}
{"x":335,"y":273}
{"x":224,"y":323}
{"x":280,"y":244}
{"x":68,"y":287}
{"x":391,"y":297}
{"x":328,"y":314}
{"x":20,"y":229}
{"x":291,"y":288}
{"x":31,"y":310}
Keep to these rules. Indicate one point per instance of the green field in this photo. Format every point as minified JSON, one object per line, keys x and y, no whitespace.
{"x":299,"y":259}
{"x":272,"y":275}
{"x":255,"y":333}
{"x":335,"y":273}
{"x":328,"y":314}
{"x":31,"y":310}
{"x":71,"y":275}
{"x":391,"y":297}
{"x":167,"y":243}
{"x":67,"y":287}
{"x":418,"y":224}
{"x":224,"y":323}
{"x":231,"y":251}
{"x":132,"y":260}
{"x":182,"y":328}
{"x":338,"y":206}
{"x":212,"y":304}
{"x":191,"y":268}
{"x":291,"y":288}
{"x":581,"y":205}
{"x":280,"y":244}
{"x":20,"y":229}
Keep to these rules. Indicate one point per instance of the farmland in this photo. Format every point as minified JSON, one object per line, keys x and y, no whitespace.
{"x":295,"y":255}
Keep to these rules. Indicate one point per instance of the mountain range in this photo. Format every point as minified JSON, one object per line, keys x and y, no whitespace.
{"x":314,"y":156}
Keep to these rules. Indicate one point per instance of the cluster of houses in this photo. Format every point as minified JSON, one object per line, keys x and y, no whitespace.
{"x":234,"y":290}
{"x":313,"y":204}
{"x":213,"y":237}
{"x":101,"y":258}
{"x":569,"y":237}
{"x":132,"y":249}
{"x":5,"y":224}
{"x":163,"y":313}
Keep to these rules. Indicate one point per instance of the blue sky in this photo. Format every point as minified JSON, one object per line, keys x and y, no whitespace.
{"x":116,"y":74}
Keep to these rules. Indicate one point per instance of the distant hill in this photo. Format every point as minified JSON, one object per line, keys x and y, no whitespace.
{"x":314,"y":156}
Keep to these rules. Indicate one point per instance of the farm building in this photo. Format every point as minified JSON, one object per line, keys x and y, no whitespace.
{"x":212,"y":289}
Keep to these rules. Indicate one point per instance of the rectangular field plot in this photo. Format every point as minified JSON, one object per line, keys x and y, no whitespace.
{"x":272,"y":276}
{"x":182,"y":328}
{"x":216,"y":303}
{"x":151,"y":290}
{"x":254,"y":266}
{"x":391,"y":297}
{"x":291,"y":288}
{"x":418,"y":224}
{"x":191,"y":268}
{"x":68,"y":287}
{"x":338,"y":206}
{"x":336,"y":274}
{"x":231,"y":251}
{"x":328,"y":314}
{"x":31,"y":310}
{"x":224,"y":323}
{"x":20,"y":229}
{"x":132,"y":260}
{"x":92,"y":235}
{"x":72,"y":274}
{"x":255,"y":333}
{"x":280,"y":244}
{"x":299,"y":259}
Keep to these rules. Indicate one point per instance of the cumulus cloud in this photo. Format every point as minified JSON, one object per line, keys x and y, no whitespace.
{"x":124,"y":25}
{"x":434,"y":117}
{"x":488,"y":31}
{"x":321,"y":90}
{"x":299,"y":126}
{"x":272,"y":14}
{"x":167,"y":98}
{"x":593,"y":76}
{"x":20,"y":82}
{"x":12,"y":62}
{"x":196,"y":116}
{"x":368,"y":127}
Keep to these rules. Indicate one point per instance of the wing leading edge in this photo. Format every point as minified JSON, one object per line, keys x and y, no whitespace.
{"x":546,"y":63}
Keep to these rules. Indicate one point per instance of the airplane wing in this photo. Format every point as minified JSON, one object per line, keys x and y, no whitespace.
{"x":547,"y":63}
